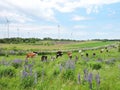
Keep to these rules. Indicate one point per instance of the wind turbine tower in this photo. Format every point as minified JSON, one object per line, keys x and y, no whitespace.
{"x":7,"y":27}
{"x":58,"y":31}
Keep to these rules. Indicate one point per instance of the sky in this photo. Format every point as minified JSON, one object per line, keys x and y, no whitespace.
{"x":61,"y":19}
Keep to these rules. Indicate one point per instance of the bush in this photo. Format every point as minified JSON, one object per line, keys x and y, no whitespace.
{"x":95,"y":65}
{"x":68,"y":74}
{"x":7,"y":71}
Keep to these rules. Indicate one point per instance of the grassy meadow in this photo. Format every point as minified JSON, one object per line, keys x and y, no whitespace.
{"x":93,"y":72}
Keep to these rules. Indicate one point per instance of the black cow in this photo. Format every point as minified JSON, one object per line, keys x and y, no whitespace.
{"x":44,"y":58}
{"x":87,"y":55}
{"x":59,"y":53}
{"x":94,"y":54}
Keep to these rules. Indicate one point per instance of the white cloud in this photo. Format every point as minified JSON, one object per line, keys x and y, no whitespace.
{"x":101,"y":33}
{"x":44,"y":9}
{"x":79,"y":18}
{"x":12,"y":16}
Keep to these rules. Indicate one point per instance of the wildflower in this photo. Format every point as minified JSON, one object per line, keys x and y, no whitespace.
{"x":97,"y":77}
{"x":90,"y":80}
{"x":35,"y":76}
{"x":85,"y":74}
{"x":24,"y":74}
{"x":61,"y":67}
{"x":79,"y":78}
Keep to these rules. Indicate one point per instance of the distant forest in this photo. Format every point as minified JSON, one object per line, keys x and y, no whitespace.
{"x":34,"y":40}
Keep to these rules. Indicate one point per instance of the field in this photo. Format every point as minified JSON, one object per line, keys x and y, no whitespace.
{"x":93,"y":72}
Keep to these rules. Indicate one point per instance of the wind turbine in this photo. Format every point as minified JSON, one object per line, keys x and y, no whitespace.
{"x":58,"y":31}
{"x":7,"y":26}
{"x":18,"y":32}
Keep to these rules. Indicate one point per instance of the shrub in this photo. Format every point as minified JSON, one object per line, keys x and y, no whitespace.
{"x":95,"y":65}
{"x":68,"y":74}
{"x":7,"y":71}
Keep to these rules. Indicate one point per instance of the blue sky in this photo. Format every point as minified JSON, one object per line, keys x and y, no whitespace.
{"x":78,"y":19}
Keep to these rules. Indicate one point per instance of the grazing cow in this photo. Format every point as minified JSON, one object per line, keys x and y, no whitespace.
{"x":70,"y":55}
{"x":59,"y":53}
{"x":82,"y":54}
{"x":107,"y":50}
{"x":105,"y":47}
{"x":94,"y":54}
{"x":80,"y":51}
{"x":87,"y":55}
{"x":31,"y":55}
{"x":101,"y":51}
{"x":44,"y":58}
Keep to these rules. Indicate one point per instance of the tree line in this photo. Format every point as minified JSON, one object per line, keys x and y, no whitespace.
{"x":29,"y":40}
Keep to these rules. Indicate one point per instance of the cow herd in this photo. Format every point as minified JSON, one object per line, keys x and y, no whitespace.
{"x":69,"y":54}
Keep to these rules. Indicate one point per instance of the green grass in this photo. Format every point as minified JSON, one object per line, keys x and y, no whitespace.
{"x":53,"y":78}
{"x":59,"y":46}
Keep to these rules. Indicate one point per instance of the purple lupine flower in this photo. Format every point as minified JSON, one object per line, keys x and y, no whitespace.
{"x":24,"y":74}
{"x":79,"y":78}
{"x":70,"y":64}
{"x":90,"y":80}
{"x":30,"y":72}
{"x":90,"y":77}
{"x":30,"y":66}
{"x":85,"y":74}
{"x":97,"y":78}
{"x":25,"y":67}
{"x":17,"y":61}
{"x":35,"y":76}
{"x":61,"y":67}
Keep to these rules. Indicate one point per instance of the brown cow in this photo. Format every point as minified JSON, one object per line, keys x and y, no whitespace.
{"x":70,"y":55}
{"x":31,"y":55}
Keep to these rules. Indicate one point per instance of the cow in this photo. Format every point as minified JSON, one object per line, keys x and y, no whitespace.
{"x":107,"y":50}
{"x":87,"y":54}
{"x":94,"y":54}
{"x":58,"y":54}
{"x":44,"y":58}
{"x":31,"y":55}
{"x":80,"y":51}
{"x":82,"y":54}
{"x":101,"y":51}
{"x":70,"y":55}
